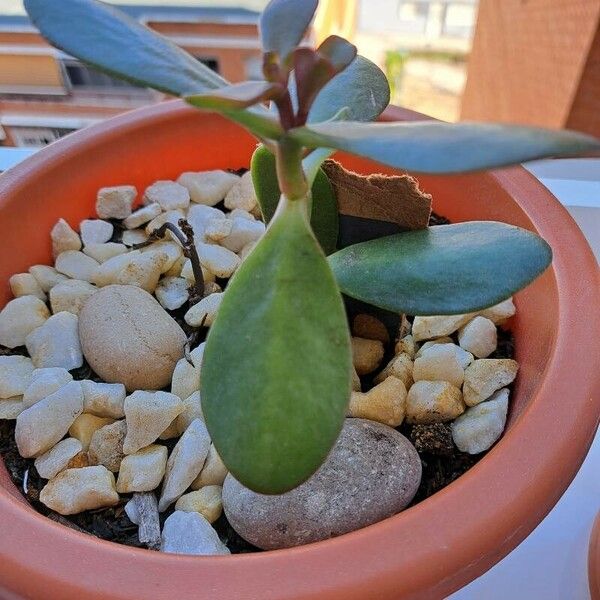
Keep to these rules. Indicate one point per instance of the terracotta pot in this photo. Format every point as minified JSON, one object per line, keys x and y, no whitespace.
{"x":427,"y":551}
{"x":594,"y":560}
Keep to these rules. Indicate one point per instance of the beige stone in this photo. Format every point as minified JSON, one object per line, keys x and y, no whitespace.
{"x":25,"y":284}
{"x":84,"y":427}
{"x":56,"y":343}
{"x":44,"y":424}
{"x":70,"y":295}
{"x":173,"y":251}
{"x":140,"y":269}
{"x":136,"y":236}
{"x":369,"y":327}
{"x":168,"y":194}
{"x":366,"y":355}
{"x":51,"y":463}
{"x":19,"y":318}
{"x":192,"y":409}
{"x":187,"y":272}
{"x":77,"y":265}
{"x":103,"y":252}
{"x":172,"y":292}
{"x":487,"y":375}
{"x":218,"y":260}
{"x":104,"y":399}
{"x":16,"y":373}
{"x":199,"y":216}
{"x":47,"y":277}
{"x":401,"y":366}
{"x":213,"y":472}
{"x":106,"y":445}
{"x":11,"y":408}
{"x":186,"y":377}
{"x":95,"y":231}
{"x":499,"y":313}
{"x":427,"y":328}
{"x":148,"y":414}
{"x":64,"y":238}
{"x":478,"y":337}
{"x":384,"y":403}
{"x":128,"y":338}
{"x":243,"y":232}
{"x":204,"y":312}
{"x":433,"y":402}
{"x":217,"y":229}
{"x":45,"y":382}
{"x":208,"y":187}
{"x":207,"y":501}
{"x":75,"y":490}
{"x":439,"y":363}
{"x":142,"y":471}
{"x":185,"y":463}
{"x":241,"y":195}
{"x":115,"y":202}
{"x":142,"y":216}
{"x":171,"y":216}
{"x":441,"y":340}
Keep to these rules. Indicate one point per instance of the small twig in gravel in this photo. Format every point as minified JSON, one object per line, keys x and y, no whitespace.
{"x":149,"y":524}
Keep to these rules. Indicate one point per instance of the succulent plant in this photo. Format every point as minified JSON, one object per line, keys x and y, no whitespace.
{"x":277,"y":366}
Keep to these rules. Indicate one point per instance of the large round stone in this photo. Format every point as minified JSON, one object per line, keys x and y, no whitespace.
{"x":372,"y":473}
{"x":127,"y":337}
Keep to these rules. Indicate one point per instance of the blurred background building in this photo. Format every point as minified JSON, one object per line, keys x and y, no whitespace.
{"x":533,"y":62}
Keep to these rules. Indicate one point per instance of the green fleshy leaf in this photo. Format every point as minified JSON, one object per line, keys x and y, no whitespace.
{"x":338,"y":51}
{"x":324,"y":213}
{"x":106,"y":38}
{"x":282,"y":329}
{"x":237,"y":95}
{"x":362,"y":88}
{"x":443,"y":270}
{"x":432,"y":147}
{"x":283,"y":24}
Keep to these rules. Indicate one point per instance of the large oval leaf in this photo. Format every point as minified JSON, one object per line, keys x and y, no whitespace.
{"x":443,"y":270}
{"x":324,"y":217}
{"x":362,"y":87}
{"x":432,"y":147}
{"x":283,"y":24}
{"x":110,"y":40}
{"x":276,"y":370}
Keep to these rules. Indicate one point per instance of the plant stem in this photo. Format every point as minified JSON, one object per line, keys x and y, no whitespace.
{"x":290,"y":173}
{"x":185,"y":236}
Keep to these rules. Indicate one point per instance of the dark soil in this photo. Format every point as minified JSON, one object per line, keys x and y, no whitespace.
{"x":442,"y":461}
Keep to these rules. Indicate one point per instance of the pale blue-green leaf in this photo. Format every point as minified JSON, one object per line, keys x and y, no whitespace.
{"x":282,"y":329}
{"x":283,"y":24}
{"x":106,"y":38}
{"x":443,"y":270}
{"x":236,"y":95}
{"x":432,"y":147}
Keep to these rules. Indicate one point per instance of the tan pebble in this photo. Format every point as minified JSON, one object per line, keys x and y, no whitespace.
{"x":213,"y":472}
{"x":401,"y":366}
{"x":241,"y":195}
{"x":204,"y":312}
{"x":485,"y":376}
{"x":406,"y":345}
{"x":80,"y":460}
{"x":168,"y":194}
{"x":142,"y":471}
{"x":384,"y":403}
{"x":115,"y":202}
{"x":16,"y":373}
{"x":63,"y":238}
{"x":106,"y":446}
{"x":499,"y":313}
{"x":439,"y":363}
{"x":84,"y":427}
{"x":427,"y":328}
{"x":186,"y":376}
{"x":433,"y":402}
{"x":19,"y":318}
{"x":208,"y":187}
{"x":366,"y":355}
{"x":104,"y":399}
{"x":25,"y":284}
{"x":104,"y":252}
{"x":55,"y":460}
{"x":47,"y":277}
{"x":70,"y":295}
{"x":207,"y":501}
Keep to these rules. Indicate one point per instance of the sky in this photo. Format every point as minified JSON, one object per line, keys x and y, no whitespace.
{"x":15,"y":7}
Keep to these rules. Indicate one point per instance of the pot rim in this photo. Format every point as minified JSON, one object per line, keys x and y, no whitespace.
{"x":524,"y":479}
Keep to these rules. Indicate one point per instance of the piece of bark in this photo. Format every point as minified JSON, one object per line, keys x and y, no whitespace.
{"x":392,"y":198}
{"x":148,"y":522}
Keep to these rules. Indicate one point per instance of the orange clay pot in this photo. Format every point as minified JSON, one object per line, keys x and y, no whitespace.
{"x":426,"y":551}
{"x":594,"y":560}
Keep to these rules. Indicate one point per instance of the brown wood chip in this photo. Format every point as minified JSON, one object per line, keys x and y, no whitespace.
{"x":395,"y":199}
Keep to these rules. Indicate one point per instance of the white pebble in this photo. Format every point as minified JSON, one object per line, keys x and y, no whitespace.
{"x":95,"y":231}
{"x":441,"y":340}
{"x":242,"y":195}
{"x":199,"y":216}
{"x":186,"y":376}
{"x":243,"y":232}
{"x":246,"y":250}
{"x":218,"y":260}
{"x":44,"y":424}
{"x":427,"y":328}
{"x":190,"y":533}
{"x":499,"y":312}
{"x":47,"y":277}
{"x":192,"y":410}
{"x":115,"y":202}
{"x":77,"y":265}
{"x":136,"y":236}
{"x":19,"y":318}
{"x":142,"y":270}
{"x":102,"y":252}
{"x":207,"y":501}
{"x":56,"y":343}
{"x":439,"y":363}
{"x":172,"y":292}
{"x":478,"y":337}
{"x":15,"y":375}
{"x":172,"y":250}
{"x":104,"y":399}
{"x":204,"y":312}
{"x":25,"y":284}
{"x":51,"y":463}
{"x":213,"y":472}
{"x":433,"y":402}
{"x":70,"y":295}
{"x":45,"y":382}
{"x":487,"y":375}
{"x":171,"y":216}
{"x":148,"y":414}
{"x":64,"y":238}
{"x":242,"y":214}
{"x":208,"y":187}
{"x":75,"y":490}
{"x":168,"y":194}
{"x":11,"y":408}
{"x":187,"y":272}
{"x":217,"y":229}
{"x":185,"y":463}
{"x":142,"y":216}
{"x":480,"y":426}
{"x":142,"y":471}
